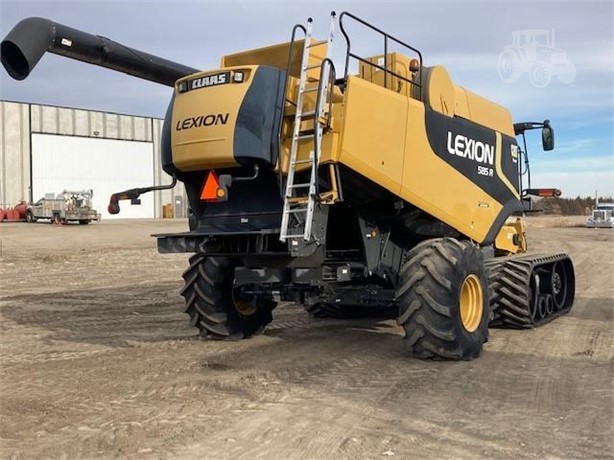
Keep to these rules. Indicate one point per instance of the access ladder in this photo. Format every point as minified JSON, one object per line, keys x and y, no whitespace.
{"x":301,"y":198}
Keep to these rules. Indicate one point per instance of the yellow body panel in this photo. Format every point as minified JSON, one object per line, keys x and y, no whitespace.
{"x":207,"y":147}
{"x":397,"y":63}
{"x":277,"y":56}
{"x":383,"y":137}
{"x":375,"y":153}
{"x":433,"y":185}
{"x":511,"y":238}
{"x":438,"y":90}
{"x":461,"y":106}
{"x":488,"y":113}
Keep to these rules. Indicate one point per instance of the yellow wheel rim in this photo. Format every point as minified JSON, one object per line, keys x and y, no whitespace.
{"x":243,"y":306}
{"x":471,"y":303}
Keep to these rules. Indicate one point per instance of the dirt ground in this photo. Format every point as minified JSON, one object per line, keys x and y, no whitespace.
{"x":98,"y":361}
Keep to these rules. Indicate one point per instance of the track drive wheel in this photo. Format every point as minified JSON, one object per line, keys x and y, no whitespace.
{"x":216,"y":307}
{"x":443,"y":300}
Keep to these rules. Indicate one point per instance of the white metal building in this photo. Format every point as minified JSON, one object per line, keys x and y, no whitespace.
{"x":46,"y":149}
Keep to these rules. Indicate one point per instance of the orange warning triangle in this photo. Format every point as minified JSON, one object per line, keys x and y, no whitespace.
{"x":210,"y":189}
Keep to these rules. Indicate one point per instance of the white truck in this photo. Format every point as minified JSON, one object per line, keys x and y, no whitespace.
{"x":602,"y":216}
{"x":68,"y":206}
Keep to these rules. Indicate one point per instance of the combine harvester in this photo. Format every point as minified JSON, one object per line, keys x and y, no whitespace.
{"x":392,"y":189}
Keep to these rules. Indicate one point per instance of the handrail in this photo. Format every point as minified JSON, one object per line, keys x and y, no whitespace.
{"x":281,"y":112}
{"x":331,"y":89}
{"x":331,"y":83}
{"x":386,"y":38}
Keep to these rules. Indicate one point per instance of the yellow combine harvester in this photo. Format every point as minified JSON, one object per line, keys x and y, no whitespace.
{"x":388,"y":190}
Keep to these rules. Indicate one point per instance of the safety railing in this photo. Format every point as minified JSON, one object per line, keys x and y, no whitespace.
{"x":295,"y":29}
{"x":387,"y":38}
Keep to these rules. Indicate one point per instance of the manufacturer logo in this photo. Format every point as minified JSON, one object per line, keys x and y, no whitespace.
{"x":514,"y":153}
{"x":203,"y":120}
{"x":209,"y":80}
{"x":471,"y":149}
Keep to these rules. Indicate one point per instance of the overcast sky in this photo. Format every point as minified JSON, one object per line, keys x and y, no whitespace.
{"x":466,"y":37}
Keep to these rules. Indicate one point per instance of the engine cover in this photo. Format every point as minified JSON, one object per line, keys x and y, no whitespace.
{"x":222,"y":119}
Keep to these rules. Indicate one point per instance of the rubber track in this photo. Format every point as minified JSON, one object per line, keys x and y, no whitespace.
{"x":509,"y":280}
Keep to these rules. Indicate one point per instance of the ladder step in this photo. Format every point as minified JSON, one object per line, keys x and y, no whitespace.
{"x":311,"y":90}
{"x":306,"y":134}
{"x":310,"y":67}
{"x":299,"y":186}
{"x":296,"y":211}
{"x":297,"y":199}
{"x":302,"y":162}
{"x":295,"y":236}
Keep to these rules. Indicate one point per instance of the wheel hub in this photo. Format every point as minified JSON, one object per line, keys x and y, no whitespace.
{"x":471,"y":303}
{"x":243,"y":306}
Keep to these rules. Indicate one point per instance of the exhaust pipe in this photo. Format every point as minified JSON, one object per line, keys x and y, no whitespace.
{"x":26,"y":43}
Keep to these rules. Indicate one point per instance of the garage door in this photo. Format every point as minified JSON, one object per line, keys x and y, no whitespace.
{"x":104,"y":165}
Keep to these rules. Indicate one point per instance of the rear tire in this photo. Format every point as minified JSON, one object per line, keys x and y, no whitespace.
{"x":84,"y":222}
{"x":443,"y":300}
{"x":30,"y":217}
{"x":211,"y":304}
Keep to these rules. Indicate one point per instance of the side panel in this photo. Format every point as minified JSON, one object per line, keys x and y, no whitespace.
{"x":460,"y":172}
{"x":226,"y":118}
{"x":466,"y":189}
{"x":256,"y":136}
{"x":203,"y":123}
{"x":374,"y":133}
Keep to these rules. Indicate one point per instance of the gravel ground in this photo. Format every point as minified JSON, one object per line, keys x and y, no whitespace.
{"x":97,"y":360}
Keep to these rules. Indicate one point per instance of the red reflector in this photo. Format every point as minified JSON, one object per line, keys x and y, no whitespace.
{"x":543,"y":192}
{"x":549,"y":192}
{"x":212,"y":184}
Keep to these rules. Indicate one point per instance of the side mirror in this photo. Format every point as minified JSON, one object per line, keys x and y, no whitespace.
{"x":547,"y":136}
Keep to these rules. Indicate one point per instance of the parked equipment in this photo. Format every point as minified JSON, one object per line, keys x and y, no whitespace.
{"x":68,"y":206}
{"x":392,"y":189}
{"x":16,"y":213}
{"x":602,"y":216}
